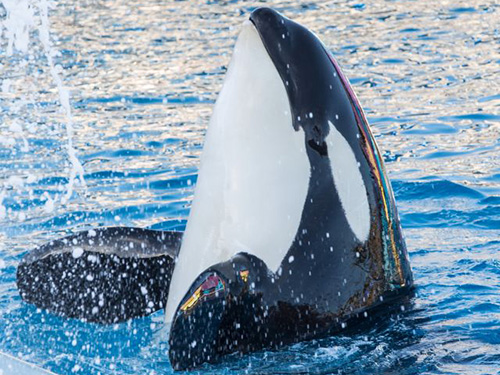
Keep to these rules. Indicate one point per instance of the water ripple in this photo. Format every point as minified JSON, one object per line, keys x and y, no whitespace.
{"x":143,"y":80}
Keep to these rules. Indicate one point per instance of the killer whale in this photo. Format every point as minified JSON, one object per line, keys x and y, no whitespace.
{"x":293,"y":231}
{"x":340,"y":251}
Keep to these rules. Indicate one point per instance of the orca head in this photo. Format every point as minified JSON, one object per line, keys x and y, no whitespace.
{"x":306,"y":69}
{"x":324,"y":106}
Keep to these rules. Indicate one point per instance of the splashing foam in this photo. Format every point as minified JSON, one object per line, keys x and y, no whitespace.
{"x":22,"y":17}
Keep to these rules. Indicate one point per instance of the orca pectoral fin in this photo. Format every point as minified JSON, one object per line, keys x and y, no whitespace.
{"x":104,"y":275}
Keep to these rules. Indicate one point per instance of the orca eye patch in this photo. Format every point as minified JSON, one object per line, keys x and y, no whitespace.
{"x":210,"y":288}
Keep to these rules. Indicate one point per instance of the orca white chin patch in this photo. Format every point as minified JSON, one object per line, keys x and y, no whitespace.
{"x":254,"y":174}
{"x":349,"y":183}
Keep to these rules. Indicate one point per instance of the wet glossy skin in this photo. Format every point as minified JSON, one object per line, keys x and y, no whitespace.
{"x":104,"y":275}
{"x":328,"y":276}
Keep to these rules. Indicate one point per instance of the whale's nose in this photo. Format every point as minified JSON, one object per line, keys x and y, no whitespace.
{"x":268,"y":20}
{"x":264,"y":14}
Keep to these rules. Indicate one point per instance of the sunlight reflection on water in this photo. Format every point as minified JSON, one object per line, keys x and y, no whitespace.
{"x":143,"y":78}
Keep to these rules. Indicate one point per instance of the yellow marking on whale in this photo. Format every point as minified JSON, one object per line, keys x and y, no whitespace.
{"x":244,"y":275}
{"x":192,"y":301}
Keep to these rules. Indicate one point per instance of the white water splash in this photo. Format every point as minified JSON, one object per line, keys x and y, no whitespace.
{"x":19,"y":21}
{"x":64,"y":97}
{"x":3,"y":211}
{"x":24,"y":16}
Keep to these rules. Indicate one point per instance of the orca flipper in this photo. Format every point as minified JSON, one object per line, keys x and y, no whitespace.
{"x":104,"y":275}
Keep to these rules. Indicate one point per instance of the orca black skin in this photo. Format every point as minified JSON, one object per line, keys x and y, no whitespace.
{"x":328,"y":277}
{"x":104,"y":275}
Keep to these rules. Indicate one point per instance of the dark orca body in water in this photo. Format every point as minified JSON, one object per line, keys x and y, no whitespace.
{"x":103,"y":275}
{"x":293,"y":232}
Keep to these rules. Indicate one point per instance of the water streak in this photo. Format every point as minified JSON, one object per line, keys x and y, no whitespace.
{"x":425,"y":73}
{"x":21,"y":17}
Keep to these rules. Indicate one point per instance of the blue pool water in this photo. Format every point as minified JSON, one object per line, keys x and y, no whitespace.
{"x":143,"y":78}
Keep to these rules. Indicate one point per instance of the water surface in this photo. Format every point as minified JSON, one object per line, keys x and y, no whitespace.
{"x":143,"y":77}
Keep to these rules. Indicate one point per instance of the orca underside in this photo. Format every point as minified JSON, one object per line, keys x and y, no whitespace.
{"x":103,"y":275}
